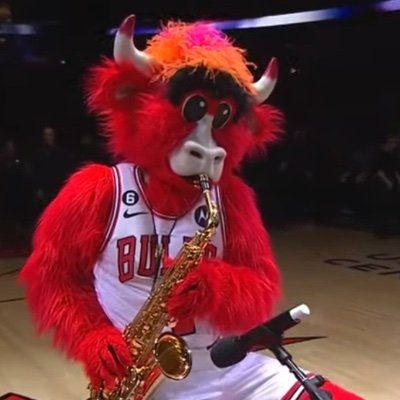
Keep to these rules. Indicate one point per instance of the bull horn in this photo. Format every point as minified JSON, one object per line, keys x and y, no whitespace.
{"x":266,"y":84}
{"x":125,"y":50}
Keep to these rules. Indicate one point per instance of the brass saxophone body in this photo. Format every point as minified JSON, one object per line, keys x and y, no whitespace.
{"x":158,"y":354}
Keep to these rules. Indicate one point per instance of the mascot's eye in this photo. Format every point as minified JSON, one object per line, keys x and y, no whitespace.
{"x":222,"y":116}
{"x":194,"y":108}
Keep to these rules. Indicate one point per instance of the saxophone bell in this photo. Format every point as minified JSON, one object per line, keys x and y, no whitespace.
{"x":173,"y":356}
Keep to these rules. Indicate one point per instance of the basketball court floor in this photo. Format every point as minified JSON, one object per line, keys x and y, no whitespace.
{"x":349,"y":279}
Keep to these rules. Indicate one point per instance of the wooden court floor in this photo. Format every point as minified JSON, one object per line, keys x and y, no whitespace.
{"x":350,"y":280}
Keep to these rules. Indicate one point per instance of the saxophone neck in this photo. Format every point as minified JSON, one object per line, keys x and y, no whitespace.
{"x":213,"y":214}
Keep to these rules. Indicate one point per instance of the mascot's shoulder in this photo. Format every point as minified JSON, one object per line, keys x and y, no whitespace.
{"x":91,"y":182}
{"x":235,"y":191}
{"x":91,"y":173}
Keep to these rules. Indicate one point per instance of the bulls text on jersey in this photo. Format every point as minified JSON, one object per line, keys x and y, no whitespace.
{"x":144,"y":249}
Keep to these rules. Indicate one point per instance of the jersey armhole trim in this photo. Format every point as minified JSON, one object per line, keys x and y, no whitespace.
{"x":115,"y":207}
{"x":140,"y":185}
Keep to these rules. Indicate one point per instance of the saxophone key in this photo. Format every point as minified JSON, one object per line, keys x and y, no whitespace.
{"x":172,"y":323}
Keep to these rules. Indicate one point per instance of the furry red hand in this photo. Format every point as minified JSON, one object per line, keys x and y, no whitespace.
{"x":233,"y":299}
{"x":105,"y":356}
{"x":192,"y":298}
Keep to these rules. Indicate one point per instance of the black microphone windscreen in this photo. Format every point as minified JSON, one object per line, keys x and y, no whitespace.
{"x":227,"y":352}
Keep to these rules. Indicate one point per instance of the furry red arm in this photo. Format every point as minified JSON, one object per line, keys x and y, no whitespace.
{"x":239,"y":292}
{"x":59,"y":273}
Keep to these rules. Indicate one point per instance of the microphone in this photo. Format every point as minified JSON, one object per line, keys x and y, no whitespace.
{"x":231,"y":350}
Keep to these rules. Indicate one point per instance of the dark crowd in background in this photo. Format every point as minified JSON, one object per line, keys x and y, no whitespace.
{"x":31,"y":179}
{"x":300,"y":183}
{"x":338,"y":163}
{"x":295,"y":183}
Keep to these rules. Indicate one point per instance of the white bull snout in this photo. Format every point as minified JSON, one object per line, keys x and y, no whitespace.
{"x":193,"y":159}
{"x":199,"y":153}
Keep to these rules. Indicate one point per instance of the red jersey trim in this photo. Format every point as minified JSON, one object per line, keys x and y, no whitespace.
{"x":140,"y":186}
{"x":139,"y":183}
{"x":296,"y":391}
{"x":115,"y":207}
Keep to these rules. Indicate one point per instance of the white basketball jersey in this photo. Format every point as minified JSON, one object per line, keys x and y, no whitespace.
{"x":126,"y":269}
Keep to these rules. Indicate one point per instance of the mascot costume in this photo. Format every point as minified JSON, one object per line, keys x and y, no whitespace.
{"x":185,"y":106}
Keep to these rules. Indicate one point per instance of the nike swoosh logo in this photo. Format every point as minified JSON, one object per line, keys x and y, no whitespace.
{"x":127,"y":214}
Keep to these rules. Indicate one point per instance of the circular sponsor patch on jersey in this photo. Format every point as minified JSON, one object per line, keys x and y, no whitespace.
{"x":130,"y":198}
{"x":201,"y":216}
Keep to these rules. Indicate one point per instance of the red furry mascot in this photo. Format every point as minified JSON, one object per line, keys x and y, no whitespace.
{"x":186,"y":105}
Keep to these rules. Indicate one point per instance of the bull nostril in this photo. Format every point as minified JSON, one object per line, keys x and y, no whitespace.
{"x":195,"y":153}
{"x":218,"y":159}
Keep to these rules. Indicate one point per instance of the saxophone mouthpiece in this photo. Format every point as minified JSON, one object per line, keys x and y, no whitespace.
{"x":204,"y":182}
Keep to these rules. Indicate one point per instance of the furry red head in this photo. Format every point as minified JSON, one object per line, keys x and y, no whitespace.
{"x":185,"y":105}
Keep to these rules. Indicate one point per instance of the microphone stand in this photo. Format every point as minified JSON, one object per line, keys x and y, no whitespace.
{"x":312,"y":386}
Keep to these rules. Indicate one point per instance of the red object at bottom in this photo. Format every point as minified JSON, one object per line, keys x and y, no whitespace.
{"x":337,"y":392}
{"x":13,"y":396}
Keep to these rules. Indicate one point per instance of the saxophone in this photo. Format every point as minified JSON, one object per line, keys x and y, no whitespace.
{"x":158,"y":354}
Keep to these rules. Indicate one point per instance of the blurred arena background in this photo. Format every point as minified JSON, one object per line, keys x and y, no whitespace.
{"x":329,"y":190}
{"x":339,"y":87}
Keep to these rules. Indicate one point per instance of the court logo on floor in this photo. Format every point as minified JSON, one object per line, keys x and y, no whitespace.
{"x":384,"y":264}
